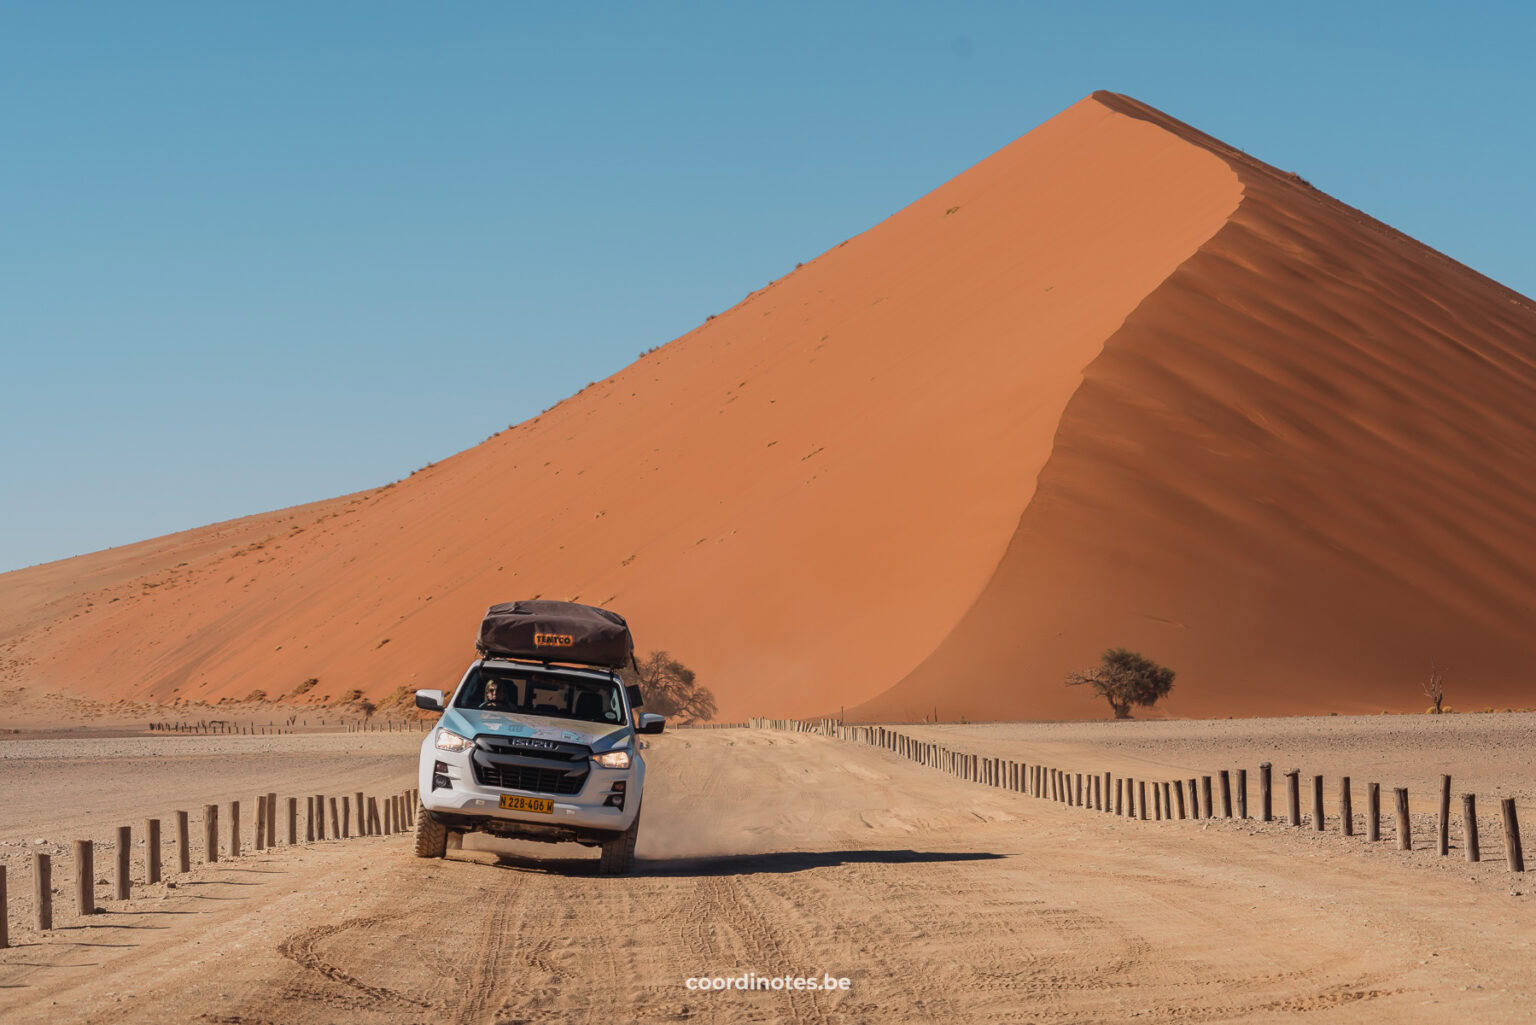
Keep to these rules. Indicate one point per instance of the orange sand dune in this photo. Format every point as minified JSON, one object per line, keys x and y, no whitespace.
{"x":1301,"y":471}
{"x":1116,"y":384}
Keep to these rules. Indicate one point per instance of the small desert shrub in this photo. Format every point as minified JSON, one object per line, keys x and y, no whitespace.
{"x":1434,"y":687}
{"x":256,"y":696}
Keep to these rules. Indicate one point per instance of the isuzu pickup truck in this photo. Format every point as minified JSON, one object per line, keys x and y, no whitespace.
{"x":543,"y":749}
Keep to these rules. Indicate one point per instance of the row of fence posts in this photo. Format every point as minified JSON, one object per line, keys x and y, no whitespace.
{"x":233,"y":729}
{"x":1127,"y":796}
{"x":399,"y":814}
{"x":218,"y":729}
{"x":391,"y":726}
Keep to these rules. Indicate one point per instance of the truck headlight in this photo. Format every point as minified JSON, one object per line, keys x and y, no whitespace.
{"x":449,"y":741}
{"x":612,"y":759}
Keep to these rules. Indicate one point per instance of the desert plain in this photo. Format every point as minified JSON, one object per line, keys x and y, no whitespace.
{"x":788,"y":853}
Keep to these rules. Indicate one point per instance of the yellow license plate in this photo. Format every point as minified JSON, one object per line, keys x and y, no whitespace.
{"x":512,"y":802}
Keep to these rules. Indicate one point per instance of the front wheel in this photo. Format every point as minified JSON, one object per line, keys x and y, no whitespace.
{"x":618,"y":857}
{"x":431,"y":836}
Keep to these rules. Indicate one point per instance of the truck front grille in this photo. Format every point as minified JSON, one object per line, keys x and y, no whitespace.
{"x":530,"y":779}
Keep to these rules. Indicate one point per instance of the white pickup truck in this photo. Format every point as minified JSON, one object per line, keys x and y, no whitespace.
{"x":535,"y":751}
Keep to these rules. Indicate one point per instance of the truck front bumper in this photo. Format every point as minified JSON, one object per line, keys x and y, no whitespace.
{"x":467,"y":803}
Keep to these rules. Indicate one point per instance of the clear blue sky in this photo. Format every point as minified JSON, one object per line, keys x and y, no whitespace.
{"x":258,"y":254}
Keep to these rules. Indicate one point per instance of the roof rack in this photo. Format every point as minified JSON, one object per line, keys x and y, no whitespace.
{"x":545,"y":663}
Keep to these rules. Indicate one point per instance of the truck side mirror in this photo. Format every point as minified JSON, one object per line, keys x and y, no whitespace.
{"x":431,"y":700}
{"x":636,"y":699}
{"x":650,"y":722}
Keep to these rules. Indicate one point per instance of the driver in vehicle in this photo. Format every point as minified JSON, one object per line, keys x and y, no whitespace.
{"x":499,"y":697}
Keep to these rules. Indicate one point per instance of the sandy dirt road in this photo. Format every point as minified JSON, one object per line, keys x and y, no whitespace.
{"x":792,"y":854}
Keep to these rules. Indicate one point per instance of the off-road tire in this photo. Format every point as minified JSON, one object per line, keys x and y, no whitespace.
{"x":431,"y":836}
{"x":618,"y":857}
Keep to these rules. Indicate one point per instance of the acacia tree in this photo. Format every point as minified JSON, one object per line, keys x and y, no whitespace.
{"x":672,"y":689}
{"x":1125,"y":678}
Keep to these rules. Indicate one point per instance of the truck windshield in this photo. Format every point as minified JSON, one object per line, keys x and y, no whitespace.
{"x":530,"y":692}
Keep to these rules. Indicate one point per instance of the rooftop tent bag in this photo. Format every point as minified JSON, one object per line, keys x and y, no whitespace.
{"x":556,"y":631}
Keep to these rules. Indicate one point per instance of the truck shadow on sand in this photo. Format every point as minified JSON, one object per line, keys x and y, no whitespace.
{"x":743,"y":864}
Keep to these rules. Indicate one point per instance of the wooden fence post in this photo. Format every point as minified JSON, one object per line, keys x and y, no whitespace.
{"x":346,"y":817}
{"x":1120,"y":796}
{"x":1226,"y":794}
{"x":1205,"y":797}
{"x":1178,"y":792}
{"x":211,"y":831}
{"x":1242,"y":793}
{"x":389,"y":821}
{"x":1373,"y":812}
{"x":1293,"y":796}
{"x":1346,"y":808}
{"x":1318,"y":819}
{"x":1194,"y":798}
{"x":85,"y":877}
{"x":151,"y":850}
{"x":261,"y":822}
{"x":293,"y":821}
{"x":1141,"y":799}
{"x":1266,"y":804}
{"x":1445,"y":816}
{"x":183,"y":843}
{"x":309,"y":819}
{"x":362,"y":821}
{"x":1404,"y":825}
{"x":1512,"y":852}
{"x":124,"y":853}
{"x":1469,"y":825}
{"x":1105,"y":806}
{"x":42,"y":891}
{"x":335,"y":821}
{"x":234,"y":829}
{"x":271,"y":819}
{"x":5,"y":912}
{"x":319,"y":816}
